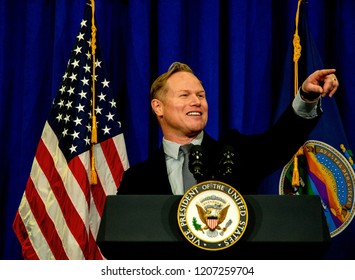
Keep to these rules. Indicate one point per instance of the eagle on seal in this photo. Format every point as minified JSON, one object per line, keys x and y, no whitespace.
{"x":212,"y":217}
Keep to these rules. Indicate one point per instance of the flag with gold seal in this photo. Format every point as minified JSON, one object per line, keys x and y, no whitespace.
{"x":324,"y":165}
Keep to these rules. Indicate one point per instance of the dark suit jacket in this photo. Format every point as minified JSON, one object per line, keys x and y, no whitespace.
{"x":256,"y":157}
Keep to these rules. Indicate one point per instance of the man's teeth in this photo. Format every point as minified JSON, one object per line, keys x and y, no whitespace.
{"x":194,"y":114}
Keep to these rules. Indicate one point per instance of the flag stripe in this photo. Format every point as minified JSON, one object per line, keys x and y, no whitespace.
{"x":94,"y":249}
{"x":43,"y":187}
{"x":107,"y":159}
{"x":45,"y":225}
{"x":22,"y":235}
{"x":94,"y":218}
{"x":99,"y":198}
{"x":120,"y":144}
{"x":70,"y":213}
{"x":113,"y":161}
{"x":79,"y":172}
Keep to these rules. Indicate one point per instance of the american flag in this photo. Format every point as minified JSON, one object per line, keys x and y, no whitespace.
{"x":60,"y":211}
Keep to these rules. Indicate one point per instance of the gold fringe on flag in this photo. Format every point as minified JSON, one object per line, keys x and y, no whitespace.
{"x":93,"y":175}
{"x":297,"y":48}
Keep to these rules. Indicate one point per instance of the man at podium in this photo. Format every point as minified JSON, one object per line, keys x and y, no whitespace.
{"x":179,"y":102}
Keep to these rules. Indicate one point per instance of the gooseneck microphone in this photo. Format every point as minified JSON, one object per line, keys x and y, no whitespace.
{"x":226,"y":163}
{"x":198,"y":163}
{"x":220,"y":167}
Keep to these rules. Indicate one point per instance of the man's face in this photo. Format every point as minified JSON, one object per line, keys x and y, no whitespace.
{"x":183,"y":112}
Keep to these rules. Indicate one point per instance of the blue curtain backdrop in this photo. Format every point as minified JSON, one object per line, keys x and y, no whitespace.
{"x":237,"y":48}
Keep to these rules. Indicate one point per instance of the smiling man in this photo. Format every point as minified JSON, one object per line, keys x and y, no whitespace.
{"x":179,"y":102}
{"x":180,"y":105}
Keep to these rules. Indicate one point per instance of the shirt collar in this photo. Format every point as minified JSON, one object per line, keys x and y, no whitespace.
{"x":171,"y":149}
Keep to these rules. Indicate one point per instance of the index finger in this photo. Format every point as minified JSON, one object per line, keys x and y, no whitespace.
{"x":324,"y":72}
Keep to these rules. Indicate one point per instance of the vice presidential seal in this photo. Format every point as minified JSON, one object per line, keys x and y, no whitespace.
{"x":212,"y":215}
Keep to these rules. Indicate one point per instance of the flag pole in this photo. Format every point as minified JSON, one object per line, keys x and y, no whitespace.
{"x":297,"y":48}
{"x":93,"y":175}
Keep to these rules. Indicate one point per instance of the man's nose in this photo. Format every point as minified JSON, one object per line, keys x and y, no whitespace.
{"x":196,"y":100}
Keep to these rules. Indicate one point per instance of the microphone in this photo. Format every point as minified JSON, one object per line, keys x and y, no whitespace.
{"x":226,"y":163}
{"x":197,"y":163}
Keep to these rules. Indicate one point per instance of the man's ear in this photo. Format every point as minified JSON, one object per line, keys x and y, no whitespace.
{"x":157,"y":107}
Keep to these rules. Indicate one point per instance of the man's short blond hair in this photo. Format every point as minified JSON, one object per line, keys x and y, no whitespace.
{"x":158,"y":88}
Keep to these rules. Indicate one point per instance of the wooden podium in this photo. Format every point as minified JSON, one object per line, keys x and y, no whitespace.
{"x":279,"y":227}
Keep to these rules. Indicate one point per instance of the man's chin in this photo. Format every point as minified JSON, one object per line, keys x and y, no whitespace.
{"x":194,"y":132}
